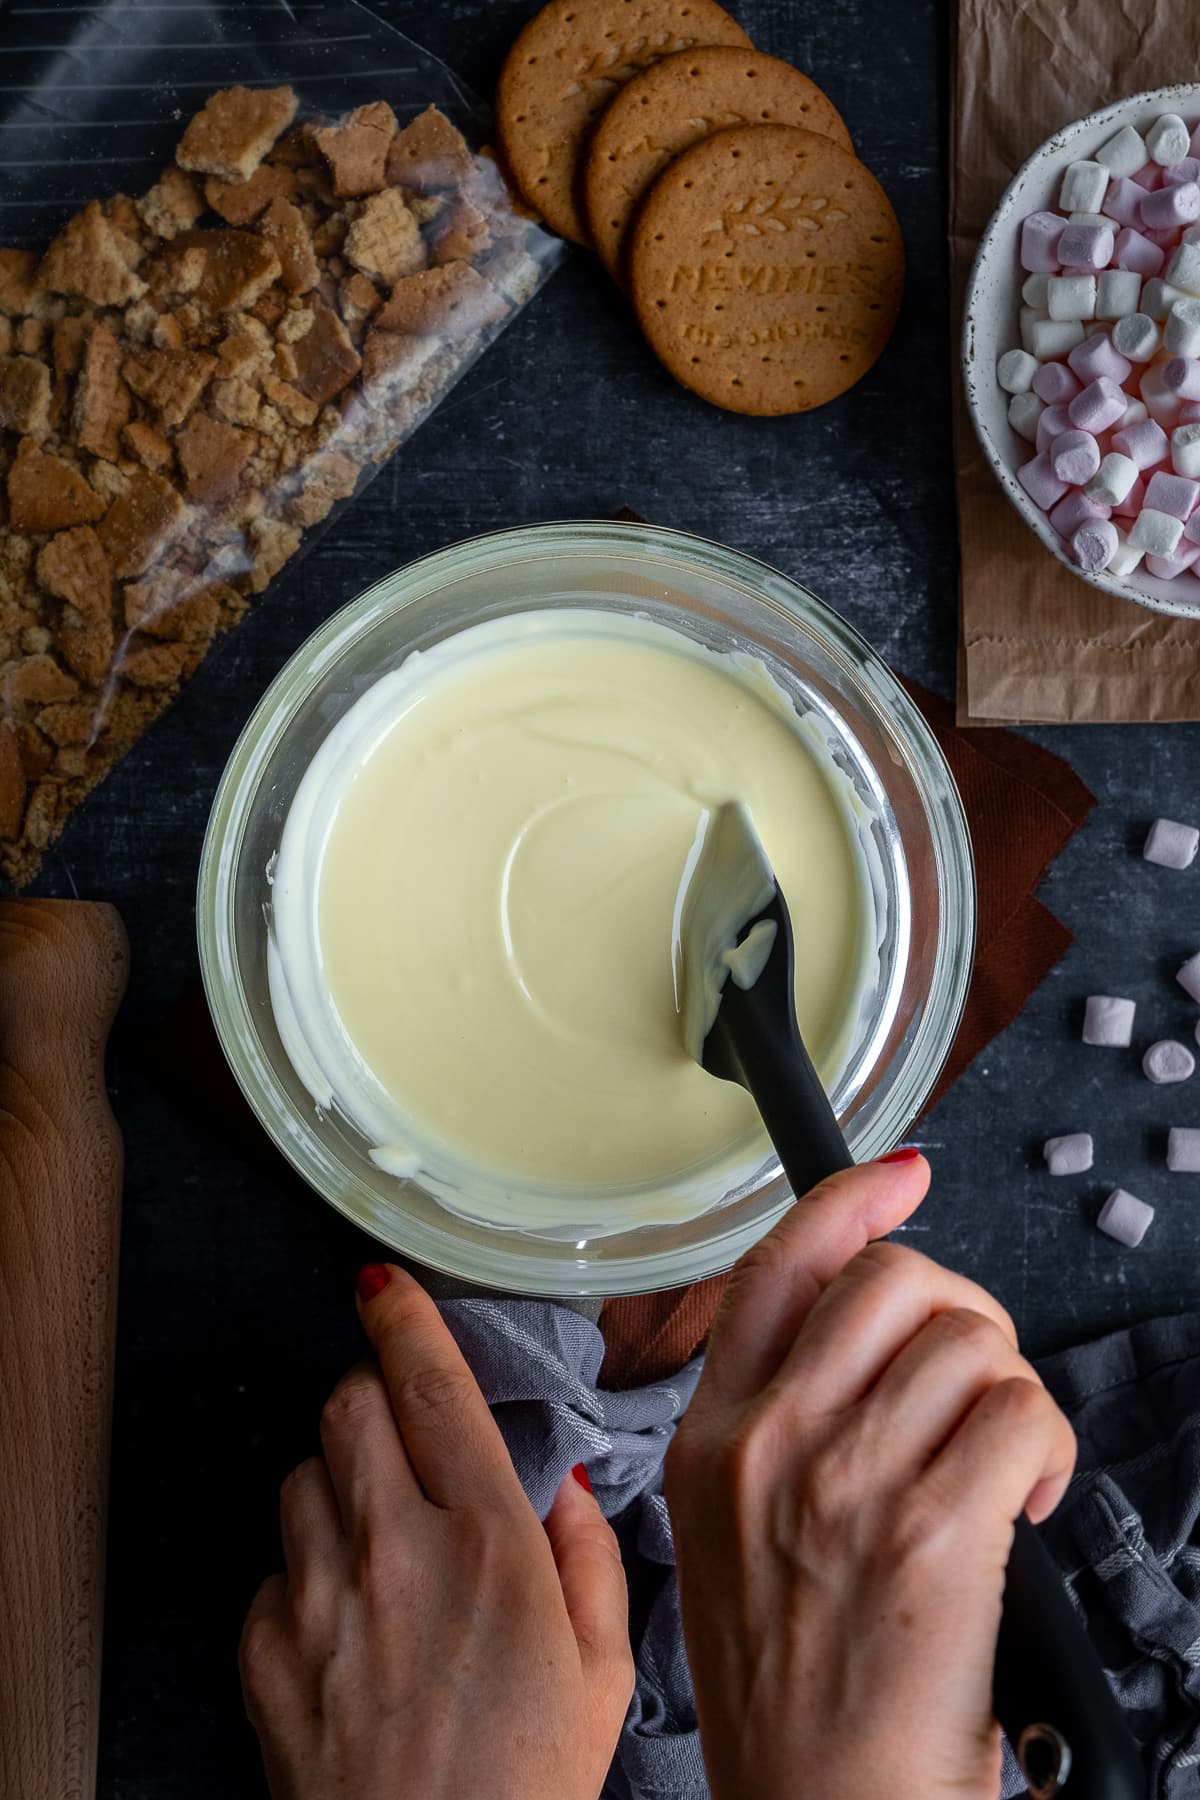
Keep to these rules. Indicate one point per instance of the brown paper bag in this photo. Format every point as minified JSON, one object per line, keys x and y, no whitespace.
{"x":1037,"y":643}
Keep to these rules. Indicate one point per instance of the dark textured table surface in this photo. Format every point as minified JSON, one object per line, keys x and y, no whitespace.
{"x":236,"y":1314}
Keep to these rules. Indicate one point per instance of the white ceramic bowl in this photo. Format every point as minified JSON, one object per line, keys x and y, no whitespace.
{"x":990,"y":324}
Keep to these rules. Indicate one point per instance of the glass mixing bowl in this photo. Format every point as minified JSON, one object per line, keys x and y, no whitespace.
{"x":728,"y":602}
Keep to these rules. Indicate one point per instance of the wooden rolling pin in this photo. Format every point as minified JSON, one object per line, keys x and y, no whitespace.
{"x":63,"y":966}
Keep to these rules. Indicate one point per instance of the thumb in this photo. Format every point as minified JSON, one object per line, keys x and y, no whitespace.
{"x":588,"y":1560}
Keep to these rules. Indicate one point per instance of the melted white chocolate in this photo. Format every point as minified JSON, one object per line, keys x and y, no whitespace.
{"x":474,"y":905}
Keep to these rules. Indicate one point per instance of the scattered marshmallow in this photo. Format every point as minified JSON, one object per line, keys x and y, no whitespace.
{"x":1124,"y":153}
{"x":1134,"y":250}
{"x":1097,"y":356}
{"x":1168,"y":140}
{"x":1075,"y":457}
{"x":1173,"y":494}
{"x":1183,"y":1150}
{"x":1071,"y":296}
{"x":1071,"y":1155}
{"x":1181,"y":333}
{"x":1183,"y":270}
{"x":1055,"y":384}
{"x":1126,"y":559}
{"x":1094,"y":544}
{"x":1015,"y":371}
{"x":1157,"y":533}
{"x":1118,"y":292}
{"x":1044,"y":487}
{"x":1098,"y":406}
{"x":1181,"y":377}
{"x":1024,"y":410}
{"x":1112,"y":481}
{"x":1145,"y":443}
{"x":1084,"y":185}
{"x":1048,"y":338}
{"x":1171,"y":845}
{"x":1091,"y":246}
{"x":1125,"y":1218}
{"x":1076,"y":509}
{"x":1185,"y":450}
{"x":1167,"y":1062}
{"x":1136,"y":337}
{"x":1040,"y":233}
{"x":1108,"y":1022}
{"x":1176,"y":204}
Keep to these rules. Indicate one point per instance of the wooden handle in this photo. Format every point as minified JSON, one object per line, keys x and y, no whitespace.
{"x":63,"y":966}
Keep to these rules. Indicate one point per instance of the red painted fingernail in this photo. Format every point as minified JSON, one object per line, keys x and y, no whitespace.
{"x":581,"y":1476}
{"x":909,"y":1153}
{"x":371,"y":1279}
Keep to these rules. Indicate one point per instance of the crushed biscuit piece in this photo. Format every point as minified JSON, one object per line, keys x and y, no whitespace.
{"x":172,"y":205}
{"x":30,"y":337}
{"x":170,"y":381}
{"x":313,"y":185}
{"x":385,"y":240}
{"x":109,"y":481}
{"x":268,"y":309}
{"x":73,"y":567}
{"x":212,"y":456}
{"x":67,"y":723}
{"x":240,"y":202}
{"x":235,"y":130}
{"x":329,"y":232}
{"x":247,"y":347}
{"x":140,"y":320}
{"x":357,"y":151}
{"x":238,"y":267}
{"x":36,"y":754}
{"x":392,"y":362}
{"x":294,"y":324}
{"x":273,"y":543}
{"x":297,"y":149}
{"x":450,"y":302}
{"x":178,"y":271}
{"x":147,"y":446}
{"x":18,"y":281}
{"x":86,"y":646}
{"x":284,"y":229}
{"x":328,"y":478}
{"x":430,"y":153}
{"x":86,"y":258}
{"x":141,"y":523}
{"x":24,"y":396}
{"x":326,"y":360}
{"x":40,"y":815}
{"x":6,"y":335}
{"x":168,"y":333}
{"x":46,"y":494}
{"x":358,"y":298}
{"x":102,"y":403}
{"x":289,"y":400}
{"x":12,"y":783}
{"x":425,"y":207}
{"x":37,"y":680}
{"x":154,"y":665}
{"x":35,"y":640}
{"x":462,"y":234}
{"x":234,"y":400}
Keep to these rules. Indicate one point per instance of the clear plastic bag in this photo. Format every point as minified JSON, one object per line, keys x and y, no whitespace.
{"x":187,"y":398}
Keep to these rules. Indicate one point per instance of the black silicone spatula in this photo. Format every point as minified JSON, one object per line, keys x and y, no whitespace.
{"x":736,"y":980}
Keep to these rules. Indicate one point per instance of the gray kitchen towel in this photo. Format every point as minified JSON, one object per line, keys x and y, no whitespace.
{"x":1127,"y":1535}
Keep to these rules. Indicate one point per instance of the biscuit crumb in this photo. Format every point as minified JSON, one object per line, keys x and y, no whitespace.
{"x":385,"y":240}
{"x":284,"y":229}
{"x":24,"y":396}
{"x":102,"y":402}
{"x":172,"y":205}
{"x":86,"y":258}
{"x":357,"y":152}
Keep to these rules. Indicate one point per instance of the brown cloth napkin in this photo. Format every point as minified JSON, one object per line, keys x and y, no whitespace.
{"x":1037,"y":643}
{"x":1023,"y":805}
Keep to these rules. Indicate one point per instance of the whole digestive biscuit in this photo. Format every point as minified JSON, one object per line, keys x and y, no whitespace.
{"x":676,"y":103}
{"x":766,"y":269}
{"x":563,"y":70}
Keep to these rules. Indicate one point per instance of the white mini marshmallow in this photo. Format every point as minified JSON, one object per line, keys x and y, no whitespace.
{"x":1123,"y":154}
{"x":1158,"y":297}
{"x":1188,"y":977}
{"x":1167,"y":1062}
{"x":1183,"y":1150}
{"x":1134,"y":413}
{"x":1183,"y":270}
{"x":1071,"y":296}
{"x":1108,"y":1022}
{"x":1118,"y":291}
{"x":1171,"y":845}
{"x":1125,"y":1218}
{"x":1070,"y":1155}
{"x":1084,"y":185}
{"x":1024,"y":411}
{"x":1049,"y":338}
{"x":1136,"y":336}
{"x":1033,"y":292}
{"x":1027,"y":317}
{"x":1156,"y":534}
{"x":1112,"y":480}
{"x":1185,"y":451}
{"x":1181,"y":333}
{"x":1125,"y":557}
{"x":1167,"y":140}
{"x":1015,"y":371}
{"x":1161,"y":402}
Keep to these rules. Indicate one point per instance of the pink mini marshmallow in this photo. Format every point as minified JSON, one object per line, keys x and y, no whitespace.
{"x":1168,"y":567}
{"x":1074,"y":510}
{"x":1096,"y":356}
{"x":1149,"y":178}
{"x":1040,"y":482}
{"x":1075,"y":457}
{"x":1133,"y":250}
{"x":1186,"y":170}
{"x":1189,"y":413}
{"x":1167,"y":208}
{"x":1168,"y":493}
{"x":1040,"y":233}
{"x":1123,"y":201}
{"x":1094,"y":545}
{"x":1181,"y":377}
{"x":1145,"y":443}
{"x":1165,"y":240}
{"x":1191,"y":530}
{"x":1100,"y":405}
{"x":1087,"y":247}
{"x":1131,"y":505}
{"x":1052,"y":422}
{"x":1055,"y":384}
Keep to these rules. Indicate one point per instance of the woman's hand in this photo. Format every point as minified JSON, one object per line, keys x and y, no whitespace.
{"x":843,"y":1489}
{"x":430,"y":1636}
